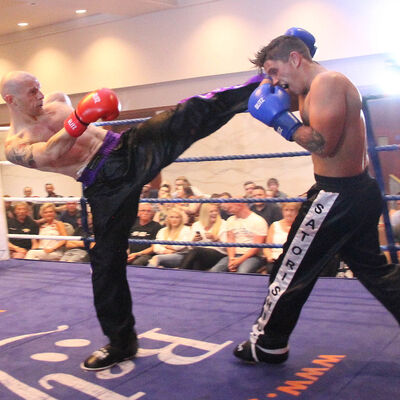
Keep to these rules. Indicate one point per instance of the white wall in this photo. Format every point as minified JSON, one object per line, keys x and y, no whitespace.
{"x":207,"y":39}
{"x":159,"y":58}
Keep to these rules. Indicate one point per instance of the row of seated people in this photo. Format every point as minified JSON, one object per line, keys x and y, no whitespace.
{"x":243,"y":226}
{"x":45,"y":249}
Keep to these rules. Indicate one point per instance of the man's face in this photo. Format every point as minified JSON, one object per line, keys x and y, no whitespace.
{"x":28,"y":98}
{"x":273,"y":187}
{"x":20,"y":212}
{"x":259,"y":194}
{"x":249,"y":189}
{"x":28,"y":192}
{"x":234,"y":208}
{"x":49,"y":189}
{"x":145,"y":213}
{"x":71,"y":207}
{"x":284,"y":74}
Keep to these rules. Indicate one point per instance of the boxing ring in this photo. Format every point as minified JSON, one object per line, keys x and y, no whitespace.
{"x":345,"y":346}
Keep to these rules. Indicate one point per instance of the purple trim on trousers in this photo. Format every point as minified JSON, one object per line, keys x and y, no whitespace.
{"x":89,"y":174}
{"x":254,"y":79}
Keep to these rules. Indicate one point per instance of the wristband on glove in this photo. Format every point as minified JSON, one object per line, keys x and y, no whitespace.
{"x":286,"y":125}
{"x":74,"y":126}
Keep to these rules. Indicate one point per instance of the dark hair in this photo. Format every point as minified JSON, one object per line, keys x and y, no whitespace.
{"x":280,"y":49}
{"x":248,"y":183}
{"x":272,"y":180}
{"x":259,"y":187}
{"x":188,"y":191}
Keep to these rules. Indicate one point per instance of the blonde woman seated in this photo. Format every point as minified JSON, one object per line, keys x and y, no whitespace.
{"x":170,"y":256}
{"x":48,"y":249}
{"x":209,"y":228}
{"x":278,"y":232}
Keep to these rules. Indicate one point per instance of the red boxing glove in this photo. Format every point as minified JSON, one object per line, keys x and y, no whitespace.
{"x":102,"y":104}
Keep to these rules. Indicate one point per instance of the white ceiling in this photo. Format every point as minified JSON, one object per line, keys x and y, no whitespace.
{"x":43,"y":13}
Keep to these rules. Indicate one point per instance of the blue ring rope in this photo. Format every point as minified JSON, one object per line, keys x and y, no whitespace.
{"x":372,"y":150}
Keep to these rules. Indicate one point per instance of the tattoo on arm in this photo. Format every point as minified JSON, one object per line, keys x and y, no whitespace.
{"x":314,"y":143}
{"x":21,"y":154}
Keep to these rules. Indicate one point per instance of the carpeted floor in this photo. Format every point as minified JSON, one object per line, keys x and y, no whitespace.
{"x":346,"y":345}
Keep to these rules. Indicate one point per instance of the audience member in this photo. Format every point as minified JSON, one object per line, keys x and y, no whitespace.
{"x":33,"y":208}
{"x":209,"y":228}
{"x":48,"y":249}
{"x":148,"y":192}
{"x":278,"y":231}
{"x":395,"y":220}
{"x":28,"y":191}
{"x":165,"y":190}
{"x":75,"y":250}
{"x":21,"y":224}
{"x":248,"y":188}
{"x":182,"y":180}
{"x":161,"y":215}
{"x":191,"y":209}
{"x":8,"y":207}
{"x":72,"y":214}
{"x":145,"y":229}
{"x":273,"y":185}
{"x":170,"y":256}
{"x":224,"y":210}
{"x":244,"y":226}
{"x":271,"y":212}
{"x":49,"y":188}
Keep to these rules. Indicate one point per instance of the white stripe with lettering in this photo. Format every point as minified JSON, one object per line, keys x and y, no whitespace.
{"x":293,"y":258}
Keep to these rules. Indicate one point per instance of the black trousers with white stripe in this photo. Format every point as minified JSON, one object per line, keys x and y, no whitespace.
{"x":340,"y":215}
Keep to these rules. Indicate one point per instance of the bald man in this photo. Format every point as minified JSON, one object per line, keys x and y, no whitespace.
{"x":47,"y":134}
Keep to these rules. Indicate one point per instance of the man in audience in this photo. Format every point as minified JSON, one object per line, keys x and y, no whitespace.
{"x":76,"y":250}
{"x":21,"y":224}
{"x":273,"y":185}
{"x":244,"y":226}
{"x":148,"y":192}
{"x":271,"y":212}
{"x":248,"y":188}
{"x":72,"y":214}
{"x":225,"y":214}
{"x":146,"y":229}
{"x":33,"y":208}
{"x":49,"y":187}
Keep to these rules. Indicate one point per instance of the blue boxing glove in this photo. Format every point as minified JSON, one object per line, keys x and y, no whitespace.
{"x":307,"y":38}
{"x":270,"y":105}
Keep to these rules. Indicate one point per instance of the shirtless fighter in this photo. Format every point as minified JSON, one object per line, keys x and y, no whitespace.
{"x":343,"y":207}
{"x":47,"y":134}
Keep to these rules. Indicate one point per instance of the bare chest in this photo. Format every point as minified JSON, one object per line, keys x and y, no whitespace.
{"x":304,"y":104}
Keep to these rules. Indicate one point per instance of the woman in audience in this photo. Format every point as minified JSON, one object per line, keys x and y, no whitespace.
{"x":278,"y":231}
{"x":161,"y":215}
{"x":191,"y":209}
{"x":48,"y":249}
{"x":170,"y":256}
{"x":209,"y":228}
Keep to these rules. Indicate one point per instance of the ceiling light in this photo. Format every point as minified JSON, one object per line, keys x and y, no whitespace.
{"x":23,"y":24}
{"x":80,"y":11}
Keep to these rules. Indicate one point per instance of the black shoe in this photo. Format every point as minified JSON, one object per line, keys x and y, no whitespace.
{"x":253,"y":353}
{"x":108,"y":356}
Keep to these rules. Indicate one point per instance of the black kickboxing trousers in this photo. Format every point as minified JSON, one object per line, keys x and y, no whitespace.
{"x":340,"y":216}
{"x":143,"y":151}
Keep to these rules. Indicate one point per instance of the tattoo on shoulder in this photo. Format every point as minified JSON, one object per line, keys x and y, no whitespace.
{"x":21,"y":154}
